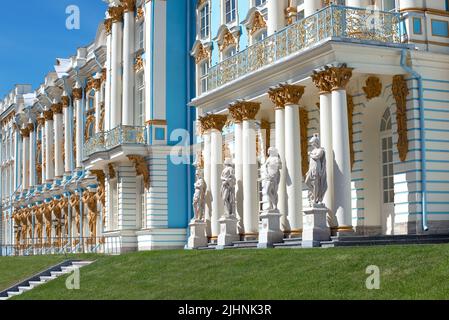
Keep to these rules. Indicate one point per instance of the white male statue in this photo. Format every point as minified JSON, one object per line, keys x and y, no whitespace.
{"x":199,"y":197}
{"x":316,"y":178}
{"x":273,"y":166}
{"x":228,"y":187}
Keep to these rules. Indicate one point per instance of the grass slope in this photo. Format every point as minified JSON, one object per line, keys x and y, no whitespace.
{"x":407,"y":272}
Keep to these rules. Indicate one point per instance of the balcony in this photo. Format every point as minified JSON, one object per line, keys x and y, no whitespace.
{"x":331,"y":23}
{"x":119,"y":136}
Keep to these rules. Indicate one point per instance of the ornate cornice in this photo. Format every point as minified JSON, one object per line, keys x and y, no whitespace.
{"x":277,"y":97}
{"x":339,"y":77}
{"x":116,"y":13}
{"x":373,"y":87}
{"x":321,"y":81}
{"x":77,"y":93}
{"x":141,"y":168}
{"x":128,"y":5}
{"x":292,"y":93}
{"x":400,"y":92}
{"x":48,"y":115}
{"x":228,"y":40}
{"x":56,"y":108}
{"x":108,"y":25}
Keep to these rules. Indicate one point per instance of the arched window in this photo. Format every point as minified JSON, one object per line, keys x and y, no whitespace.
{"x":387,"y":158}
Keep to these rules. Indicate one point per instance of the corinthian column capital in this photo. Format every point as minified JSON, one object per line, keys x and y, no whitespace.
{"x":56,"y":108}
{"x":321,"y":81}
{"x":48,"y":115}
{"x":116,"y":13}
{"x":236,"y":113}
{"x":248,"y":109}
{"x":292,"y":93}
{"x":65,"y":101}
{"x":276,"y":96}
{"x":108,"y":25}
{"x":128,"y":5}
{"x":339,"y":77}
{"x":77,"y":93}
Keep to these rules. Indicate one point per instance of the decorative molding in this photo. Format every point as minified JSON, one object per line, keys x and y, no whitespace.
{"x":258,"y":23}
{"x":248,"y":109}
{"x":77,"y":93}
{"x":350,"y":102}
{"x":128,"y":5}
{"x":48,"y":115}
{"x":304,"y":124}
{"x":141,"y":168}
{"x":65,"y":101}
{"x":102,"y":117}
{"x":56,"y":108}
{"x":236,"y":113}
{"x":212,"y":121}
{"x":140,"y":13}
{"x":372,"y":88}
{"x":202,"y":53}
{"x":266,"y":125}
{"x":291,"y":13}
{"x":400,"y":92}
{"x":108,"y":25}
{"x":320,"y":78}
{"x":139,"y":63}
{"x":228,"y":40}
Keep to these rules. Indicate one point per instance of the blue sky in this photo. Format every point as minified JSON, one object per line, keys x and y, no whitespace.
{"x":33,"y":34}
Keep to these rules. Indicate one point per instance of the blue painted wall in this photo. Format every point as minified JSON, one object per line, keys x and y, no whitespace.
{"x":181,"y":34}
{"x":243,"y":8}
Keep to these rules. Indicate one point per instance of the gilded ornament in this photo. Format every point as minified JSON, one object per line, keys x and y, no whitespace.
{"x":339,"y":77}
{"x":56,"y":108}
{"x":400,"y":92}
{"x":228,"y":40}
{"x":277,"y":97}
{"x":77,"y":93}
{"x":65,"y":101}
{"x":202,"y":54}
{"x":108,"y":25}
{"x":321,"y":81}
{"x":292,"y":93}
{"x":111,"y":171}
{"x":304,"y":124}
{"x":116,"y":13}
{"x":138,"y":64}
{"x":141,"y":168}
{"x":248,"y":109}
{"x":373,"y":87}
{"x":258,"y":23}
{"x":350,"y":102}
{"x":266,"y":126}
{"x":128,"y":5}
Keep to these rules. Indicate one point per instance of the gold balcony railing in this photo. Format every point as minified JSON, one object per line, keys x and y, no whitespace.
{"x":333,"y":22}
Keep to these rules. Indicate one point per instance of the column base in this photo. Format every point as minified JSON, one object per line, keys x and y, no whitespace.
{"x":249,"y":236}
{"x":197,"y":236}
{"x":228,"y":231}
{"x":270,"y":231}
{"x":315,"y":227}
{"x":342,"y":231}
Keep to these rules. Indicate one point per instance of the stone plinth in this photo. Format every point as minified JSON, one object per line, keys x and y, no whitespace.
{"x":228,"y":231}
{"x":315,"y":227}
{"x":197,"y":236}
{"x":270,"y":230}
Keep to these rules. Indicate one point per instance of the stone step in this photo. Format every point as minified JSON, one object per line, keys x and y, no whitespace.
{"x":47,"y":278}
{"x":4,"y":298}
{"x":245,"y":244}
{"x":336,"y":243}
{"x":391,"y":237}
{"x":35,"y":283}
{"x":57,"y":273}
{"x":69,"y":269}
{"x":292,"y":244}
{"x":81,"y":263}
{"x":13,"y":293}
{"x":23,"y":289}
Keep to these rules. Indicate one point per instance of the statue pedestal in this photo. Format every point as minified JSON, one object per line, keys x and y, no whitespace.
{"x":198,"y":236}
{"x":270,"y":230}
{"x":315,"y":227}
{"x":228,"y":231}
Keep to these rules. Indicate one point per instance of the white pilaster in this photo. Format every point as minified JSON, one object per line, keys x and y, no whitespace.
{"x":59,"y":162}
{"x":280,"y":146}
{"x":148,"y":41}
{"x":25,"y":158}
{"x":107,"y":98}
{"x":68,"y":130}
{"x":78,"y":98}
{"x":358,"y":3}
{"x":207,"y":175}
{"x":128,"y":65}
{"x":116,"y":66}
{"x":311,"y":6}
{"x":276,"y":15}
{"x":49,"y":142}
{"x":32,"y":161}
{"x":238,"y":146}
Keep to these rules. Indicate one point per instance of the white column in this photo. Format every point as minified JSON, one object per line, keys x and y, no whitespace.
{"x":116,"y":14}
{"x":311,"y":6}
{"x":16,"y":158}
{"x":276,"y":15}
{"x":128,"y":63}
{"x":326,"y":143}
{"x":250,"y":177}
{"x":32,"y":161}
{"x":216,"y":159}
{"x":280,"y":145}
{"x":148,"y":66}
{"x":358,"y":3}
{"x":59,"y":162}
{"x":68,"y":138}
{"x":340,"y":76}
{"x":49,"y":142}
{"x":78,"y":98}
{"x":97,"y":88}
{"x":237,"y":117}
{"x":207,"y":175}
{"x":238,"y":145}
{"x":107,"y":98}
{"x":292,"y":95}
{"x":25,"y":157}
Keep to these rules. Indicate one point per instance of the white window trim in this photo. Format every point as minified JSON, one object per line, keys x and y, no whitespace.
{"x":198,"y":22}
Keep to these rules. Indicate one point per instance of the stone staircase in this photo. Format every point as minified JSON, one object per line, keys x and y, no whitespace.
{"x":43,"y":277}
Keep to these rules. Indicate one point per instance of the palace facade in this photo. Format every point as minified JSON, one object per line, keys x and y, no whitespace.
{"x":98,"y":157}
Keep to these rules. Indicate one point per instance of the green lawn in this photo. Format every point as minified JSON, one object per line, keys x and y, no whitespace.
{"x":407,"y":272}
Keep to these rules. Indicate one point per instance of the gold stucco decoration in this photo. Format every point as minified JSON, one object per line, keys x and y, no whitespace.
{"x":400,"y":93}
{"x":141,"y":168}
{"x":304,"y":123}
{"x":372,"y":88}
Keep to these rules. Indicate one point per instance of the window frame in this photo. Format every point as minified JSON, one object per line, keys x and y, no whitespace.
{"x":232,"y":13}
{"x":201,"y":20}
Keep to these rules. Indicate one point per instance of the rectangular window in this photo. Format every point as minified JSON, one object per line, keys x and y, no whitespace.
{"x":140,"y":36}
{"x":440,"y":28}
{"x":389,"y":5}
{"x":204,"y":21}
{"x":230,"y":10}
{"x":260,"y":2}
{"x":204,"y":69}
{"x":139,"y":112}
{"x":417,"y":25}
